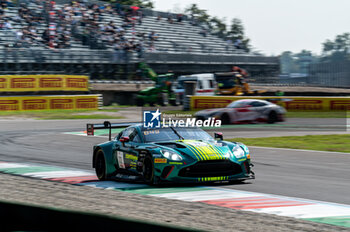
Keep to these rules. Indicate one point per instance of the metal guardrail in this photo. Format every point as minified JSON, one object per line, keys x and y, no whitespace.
{"x":119,"y":82}
{"x":39,"y":55}
{"x":300,"y":85}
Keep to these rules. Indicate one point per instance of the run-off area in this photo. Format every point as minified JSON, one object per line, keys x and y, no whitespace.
{"x":317,"y":211}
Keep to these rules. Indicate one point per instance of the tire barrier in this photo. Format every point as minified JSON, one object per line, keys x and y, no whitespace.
{"x":59,"y":102}
{"x":39,"y":83}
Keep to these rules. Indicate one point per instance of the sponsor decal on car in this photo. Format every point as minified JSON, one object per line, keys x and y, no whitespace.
{"x":120,"y":157}
{"x":176,"y":163}
{"x":204,"y":151}
{"x":216,"y":178}
{"x":130,"y":156}
{"x":160,"y":160}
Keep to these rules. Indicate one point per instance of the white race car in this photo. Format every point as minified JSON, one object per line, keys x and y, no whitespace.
{"x":245,"y":111}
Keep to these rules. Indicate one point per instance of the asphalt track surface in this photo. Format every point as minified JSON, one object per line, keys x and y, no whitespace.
{"x":313,"y":175}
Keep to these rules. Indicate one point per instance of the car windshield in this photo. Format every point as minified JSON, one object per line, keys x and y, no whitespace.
{"x":226,"y":81}
{"x":238,"y":104}
{"x":180,"y":83}
{"x":177,"y":133}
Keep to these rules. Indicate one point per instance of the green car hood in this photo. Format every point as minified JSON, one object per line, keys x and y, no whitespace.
{"x":200,"y":150}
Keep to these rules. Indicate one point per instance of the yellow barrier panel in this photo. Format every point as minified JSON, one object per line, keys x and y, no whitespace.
{"x":35,"y":83}
{"x":289,"y":103}
{"x":23,"y":103}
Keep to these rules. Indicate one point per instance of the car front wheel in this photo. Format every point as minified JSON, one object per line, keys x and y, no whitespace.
{"x":272,"y":118}
{"x":225,"y":119}
{"x":100,"y":166}
{"x":148,"y":170}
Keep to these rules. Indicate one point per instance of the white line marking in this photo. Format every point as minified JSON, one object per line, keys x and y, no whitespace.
{"x":306,"y":211}
{"x":82,"y":134}
{"x":204,"y":195}
{"x":58,"y":174}
{"x":13,"y":165}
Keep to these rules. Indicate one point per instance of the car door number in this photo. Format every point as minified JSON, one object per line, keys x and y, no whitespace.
{"x":120,"y":157}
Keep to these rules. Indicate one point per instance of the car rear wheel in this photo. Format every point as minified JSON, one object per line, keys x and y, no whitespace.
{"x":272,"y":117}
{"x":225,"y":119}
{"x":148,"y":170}
{"x":100,"y":166}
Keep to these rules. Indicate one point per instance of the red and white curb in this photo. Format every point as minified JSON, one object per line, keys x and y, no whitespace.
{"x":326,"y":212}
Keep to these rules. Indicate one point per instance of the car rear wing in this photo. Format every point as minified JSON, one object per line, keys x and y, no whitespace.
{"x":90,"y":128}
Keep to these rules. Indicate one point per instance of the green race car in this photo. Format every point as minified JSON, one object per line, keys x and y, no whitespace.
{"x":169,"y":154}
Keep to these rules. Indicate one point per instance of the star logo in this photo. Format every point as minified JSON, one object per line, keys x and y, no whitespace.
{"x":156,"y":115}
{"x":151,"y":119}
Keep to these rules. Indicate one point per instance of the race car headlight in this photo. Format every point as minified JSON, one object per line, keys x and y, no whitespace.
{"x":171,"y":155}
{"x":238,"y":152}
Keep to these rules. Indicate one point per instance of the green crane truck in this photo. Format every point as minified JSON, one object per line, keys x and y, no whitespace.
{"x":161,"y":93}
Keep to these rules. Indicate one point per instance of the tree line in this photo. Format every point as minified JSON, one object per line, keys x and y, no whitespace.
{"x":336,"y":50}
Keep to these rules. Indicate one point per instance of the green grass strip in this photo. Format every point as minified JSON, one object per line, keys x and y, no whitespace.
{"x":336,"y":143}
{"x":338,"y":221}
{"x":62,"y":114}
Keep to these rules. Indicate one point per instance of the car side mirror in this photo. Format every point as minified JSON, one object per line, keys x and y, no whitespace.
{"x":108,"y":125}
{"x":219,"y":135}
{"x":124,"y":139}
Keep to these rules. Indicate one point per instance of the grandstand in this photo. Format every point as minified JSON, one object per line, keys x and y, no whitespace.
{"x":178,"y":46}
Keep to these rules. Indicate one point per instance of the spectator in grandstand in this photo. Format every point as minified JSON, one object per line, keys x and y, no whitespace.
{"x":238,"y":44}
{"x":140,"y":17}
{"x":81,"y":20}
{"x":19,"y":35}
{"x":170,"y":18}
{"x":7,"y":25}
{"x":193,"y":20}
{"x":139,"y":49}
{"x":2,"y":12}
{"x":203,"y":32}
{"x":6,"y":3}
{"x":117,"y":51}
{"x":228,"y":44}
{"x":153,"y":36}
{"x":179,"y":18}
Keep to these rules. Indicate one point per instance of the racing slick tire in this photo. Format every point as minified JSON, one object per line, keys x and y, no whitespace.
{"x":225,"y":119}
{"x":272,"y":118}
{"x":100,"y":166}
{"x":148,"y":170}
